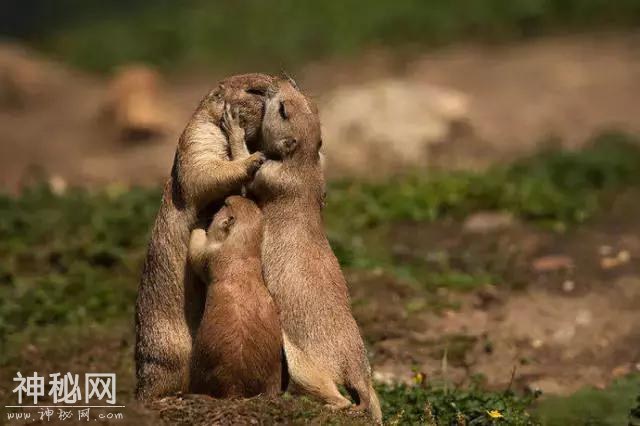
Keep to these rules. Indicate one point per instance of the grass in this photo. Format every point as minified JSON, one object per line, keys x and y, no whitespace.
{"x":108,"y":348}
{"x":70,"y":259}
{"x":77,"y":257}
{"x":592,"y":406}
{"x":634,"y":414}
{"x":554,"y":189}
{"x":420,"y":405}
{"x":249,"y":33}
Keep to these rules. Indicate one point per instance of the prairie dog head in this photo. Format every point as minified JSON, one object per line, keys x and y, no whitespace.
{"x":244,"y":91}
{"x":239,"y":222}
{"x":291,"y":125}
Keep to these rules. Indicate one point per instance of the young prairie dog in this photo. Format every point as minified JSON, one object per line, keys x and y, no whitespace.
{"x":322,"y":343}
{"x":208,"y":166}
{"x":237,"y":351}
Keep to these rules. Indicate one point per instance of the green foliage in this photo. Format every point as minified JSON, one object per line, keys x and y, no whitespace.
{"x":77,"y":257}
{"x":73,"y":258}
{"x":634,"y":414}
{"x":418,"y":405}
{"x":99,"y":35}
{"x":556,"y":188}
{"x":592,"y":406}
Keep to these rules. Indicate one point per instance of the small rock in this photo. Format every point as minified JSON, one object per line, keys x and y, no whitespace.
{"x":609,"y":262}
{"x":584,"y":317}
{"x":57,"y":184}
{"x":385,"y":377}
{"x":564,"y":334}
{"x":552,"y":263}
{"x":621,"y":370}
{"x":568,"y":286}
{"x":377,"y":272}
{"x":605,"y":250}
{"x":624,"y":256}
{"x":485,"y":222}
{"x":547,"y":386}
{"x":537,"y":343}
{"x":388,"y":122}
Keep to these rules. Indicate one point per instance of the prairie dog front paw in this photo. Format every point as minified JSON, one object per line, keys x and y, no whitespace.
{"x":231,"y":123}
{"x":254,"y":162}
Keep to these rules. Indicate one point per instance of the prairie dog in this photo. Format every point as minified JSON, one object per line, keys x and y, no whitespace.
{"x":170,"y":297}
{"x":322,"y":343}
{"x":237,"y":351}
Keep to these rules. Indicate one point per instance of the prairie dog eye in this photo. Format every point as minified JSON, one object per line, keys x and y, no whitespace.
{"x":257,"y":91}
{"x":283,"y":111}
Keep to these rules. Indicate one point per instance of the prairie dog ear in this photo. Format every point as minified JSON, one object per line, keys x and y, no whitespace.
{"x":290,"y":80}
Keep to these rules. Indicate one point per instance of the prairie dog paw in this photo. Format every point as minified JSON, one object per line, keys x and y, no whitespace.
{"x":255,"y":160}
{"x":231,"y":123}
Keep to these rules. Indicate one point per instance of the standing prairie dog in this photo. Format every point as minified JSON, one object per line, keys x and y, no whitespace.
{"x":237,"y":351}
{"x":322,"y":343}
{"x":170,"y":297}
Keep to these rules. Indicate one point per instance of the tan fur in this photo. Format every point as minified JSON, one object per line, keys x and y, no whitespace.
{"x":237,"y":351}
{"x":170,"y":297}
{"x":323,"y":346}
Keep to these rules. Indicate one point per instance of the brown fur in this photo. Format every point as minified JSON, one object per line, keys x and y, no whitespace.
{"x":238,"y":349}
{"x":322,"y":343}
{"x":170,"y":298}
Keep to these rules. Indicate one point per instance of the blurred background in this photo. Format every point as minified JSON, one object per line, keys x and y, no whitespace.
{"x":484,"y":167}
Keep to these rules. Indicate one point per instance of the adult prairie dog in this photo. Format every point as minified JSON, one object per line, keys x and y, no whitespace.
{"x":206,"y":169}
{"x":237,"y":351}
{"x":322,"y":343}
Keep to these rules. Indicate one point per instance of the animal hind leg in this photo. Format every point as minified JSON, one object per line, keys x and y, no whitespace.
{"x":365,"y":396}
{"x":156,"y":380}
{"x":306,"y":373}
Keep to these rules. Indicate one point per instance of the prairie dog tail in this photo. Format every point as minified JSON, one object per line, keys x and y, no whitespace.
{"x":367,"y":398}
{"x":374,"y":405}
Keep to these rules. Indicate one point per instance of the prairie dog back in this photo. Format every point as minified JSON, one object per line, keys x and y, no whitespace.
{"x":322,"y":342}
{"x":208,"y":166}
{"x":238,"y":348}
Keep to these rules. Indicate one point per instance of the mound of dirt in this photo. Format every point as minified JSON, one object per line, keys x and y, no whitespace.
{"x":488,"y":103}
{"x":387,"y":124}
{"x":204,"y":410}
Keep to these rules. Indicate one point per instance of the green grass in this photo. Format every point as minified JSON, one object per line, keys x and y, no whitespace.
{"x":78,"y":257}
{"x":554,"y":189}
{"x":249,"y":33}
{"x":427,"y":405}
{"x":634,"y":414}
{"x":70,"y":259}
{"x":592,"y":406}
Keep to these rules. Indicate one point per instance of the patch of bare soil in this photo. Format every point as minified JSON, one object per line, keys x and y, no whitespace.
{"x":562,"y":309}
{"x":480,"y":105}
{"x":109,"y":348}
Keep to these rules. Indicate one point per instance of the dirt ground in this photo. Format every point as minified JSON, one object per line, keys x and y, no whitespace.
{"x":564,"y":312}
{"x":518,"y":96}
